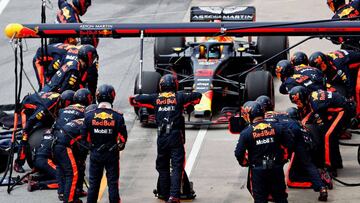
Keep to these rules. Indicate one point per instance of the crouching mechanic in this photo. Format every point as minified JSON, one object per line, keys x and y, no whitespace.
{"x":73,"y":70}
{"x":44,"y":163}
{"x":341,"y":68}
{"x":37,"y":110}
{"x":105,"y":129}
{"x":81,"y":99}
{"x":263,"y":141}
{"x":169,"y":106}
{"x":67,"y":139}
{"x":302,"y":173}
{"x":329,"y":112}
{"x":302,"y":75}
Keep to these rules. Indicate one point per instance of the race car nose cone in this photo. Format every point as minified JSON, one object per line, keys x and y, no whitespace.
{"x":13,"y":29}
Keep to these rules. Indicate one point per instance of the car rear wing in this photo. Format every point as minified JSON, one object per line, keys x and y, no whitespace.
{"x":224,"y":14}
{"x":106,"y":30}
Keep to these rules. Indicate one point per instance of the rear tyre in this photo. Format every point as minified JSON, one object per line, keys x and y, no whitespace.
{"x":150,"y":84}
{"x":259,"y":83}
{"x":34,"y":142}
{"x":164,"y":46}
{"x":269,"y":46}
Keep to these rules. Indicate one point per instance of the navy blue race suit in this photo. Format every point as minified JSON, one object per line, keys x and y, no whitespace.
{"x":264,"y":142}
{"x":44,"y":163}
{"x":338,"y":72}
{"x":67,"y":13}
{"x":66,"y":150}
{"x":330,"y":113}
{"x":36,"y":111}
{"x":349,"y":10}
{"x":301,"y":160}
{"x":48,"y":60}
{"x":309,"y":77}
{"x":344,"y":71}
{"x":68,"y":77}
{"x":105,"y":129}
{"x":67,"y":114}
{"x":169,"y":107}
{"x":71,"y":76}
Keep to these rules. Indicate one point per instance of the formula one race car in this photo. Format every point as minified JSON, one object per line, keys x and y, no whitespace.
{"x":217,"y":66}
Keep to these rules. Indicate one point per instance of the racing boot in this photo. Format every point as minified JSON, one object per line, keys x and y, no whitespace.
{"x":32,"y":185}
{"x":355,"y":123}
{"x":18,"y":168}
{"x":189,"y":193}
{"x":323,"y":194}
{"x":326,"y":178}
{"x":173,"y":200}
{"x":160,"y":196}
{"x":61,"y":197}
{"x":81,"y":193}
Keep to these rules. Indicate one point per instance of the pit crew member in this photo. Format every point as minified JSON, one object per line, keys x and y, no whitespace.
{"x":169,"y":106}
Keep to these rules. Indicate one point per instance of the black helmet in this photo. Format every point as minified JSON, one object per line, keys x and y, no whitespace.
{"x":319,"y":60}
{"x":293,"y":113}
{"x":299,"y":96}
{"x":83,"y":96}
{"x":88,"y":54}
{"x":94,"y":41}
{"x":251,"y":110}
{"x":168,"y":83}
{"x":105,"y":93}
{"x":81,"y":5}
{"x":265,"y":102}
{"x":284,"y":69}
{"x":91,"y":107}
{"x":334,"y":5}
{"x":66,"y":98}
{"x":299,"y":58}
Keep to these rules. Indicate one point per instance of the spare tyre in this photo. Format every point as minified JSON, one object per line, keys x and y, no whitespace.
{"x":164,"y":46}
{"x":150,"y":84}
{"x":268,"y":46}
{"x":259,"y":83}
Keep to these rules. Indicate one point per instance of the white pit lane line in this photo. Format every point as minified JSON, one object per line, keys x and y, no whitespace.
{"x":3,"y":4}
{"x":195,"y":150}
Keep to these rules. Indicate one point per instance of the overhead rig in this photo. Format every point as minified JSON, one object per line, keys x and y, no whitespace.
{"x":109,"y":30}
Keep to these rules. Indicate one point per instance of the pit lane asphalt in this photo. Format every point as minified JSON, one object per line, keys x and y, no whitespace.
{"x":215,"y":173}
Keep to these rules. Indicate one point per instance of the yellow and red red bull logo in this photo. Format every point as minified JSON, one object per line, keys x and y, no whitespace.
{"x":262,"y":126}
{"x":103,"y":116}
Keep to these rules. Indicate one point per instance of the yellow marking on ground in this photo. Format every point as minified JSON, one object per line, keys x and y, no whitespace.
{"x":102,"y":187}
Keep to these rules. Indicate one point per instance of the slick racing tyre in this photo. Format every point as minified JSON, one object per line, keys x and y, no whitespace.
{"x":150,"y":84}
{"x":164,"y":46}
{"x":259,"y":83}
{"x":34,"y":142}
{"x":269,"y":46}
